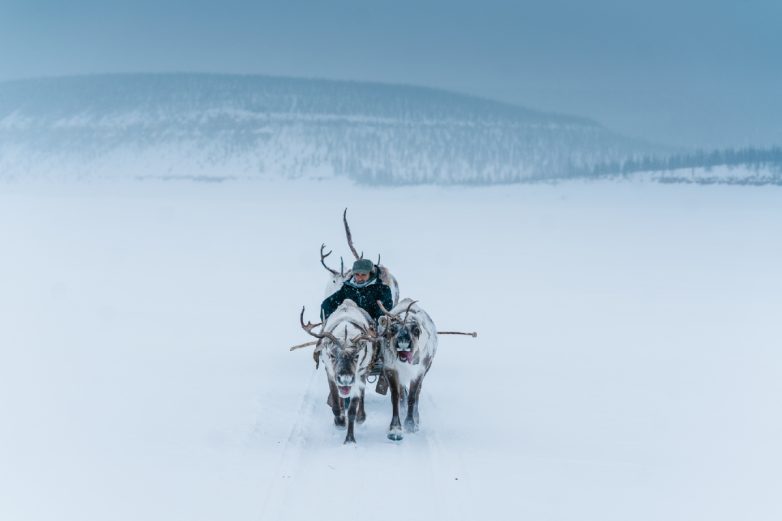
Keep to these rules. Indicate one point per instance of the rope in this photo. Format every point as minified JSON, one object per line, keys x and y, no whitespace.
{"x":473,"y":334}
{"x":306,"y":344}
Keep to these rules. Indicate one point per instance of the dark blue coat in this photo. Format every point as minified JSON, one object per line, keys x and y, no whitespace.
{"x":365,"y":297}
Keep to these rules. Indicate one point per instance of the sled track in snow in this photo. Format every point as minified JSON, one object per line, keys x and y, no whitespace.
{"x":314,"y":464}
{"x":448,"y":479}
{"x":278,"y":491}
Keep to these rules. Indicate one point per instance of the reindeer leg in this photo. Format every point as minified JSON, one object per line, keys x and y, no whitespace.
{"x":350,"y":438}
{"x":418,"y":393}
{"x":361,"y":416}
{"x":336,"y":405}
{"x":395,"y":429}
{"x":411,"y":421}
{"x":417,"y":401}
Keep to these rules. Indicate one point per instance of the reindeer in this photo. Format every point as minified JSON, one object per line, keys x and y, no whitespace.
{"x":346,"y":345}
{"x":339,"y":277}
{"x":408,"y":340}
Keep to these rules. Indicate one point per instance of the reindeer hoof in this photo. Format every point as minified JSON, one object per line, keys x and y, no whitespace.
{"x":395,"y":435}
{"x":361,"y":418}
{"x":349,"y":439}
{"x":339,"y":422}
{"x":411,"y":425}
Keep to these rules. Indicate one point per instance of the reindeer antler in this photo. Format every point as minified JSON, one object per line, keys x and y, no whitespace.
{"x":386,"y":312}
{"x":391,"y":315}
{"x":309,"y":326}
{"x":349,"y":235}
{"x":408,"y":310}
{"x":369,"y":336}
{"x":323,"y":259}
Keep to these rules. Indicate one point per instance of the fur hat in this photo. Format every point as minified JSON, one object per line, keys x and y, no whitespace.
{"x":362,"y":266}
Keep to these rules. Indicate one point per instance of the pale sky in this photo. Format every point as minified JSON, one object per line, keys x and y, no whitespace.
{"x":698,"y":73}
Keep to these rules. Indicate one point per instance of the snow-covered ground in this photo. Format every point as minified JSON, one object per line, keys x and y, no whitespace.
{"x":628,"y":363}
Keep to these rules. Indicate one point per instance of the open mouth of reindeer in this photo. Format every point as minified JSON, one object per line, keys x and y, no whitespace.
{"x":404,"y":351}
{"x":344,"y":390}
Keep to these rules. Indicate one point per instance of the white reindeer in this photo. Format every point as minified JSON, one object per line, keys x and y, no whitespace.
{"x":339,"y":277}
{"x":346,"y":346}
{"x":408,"y":339}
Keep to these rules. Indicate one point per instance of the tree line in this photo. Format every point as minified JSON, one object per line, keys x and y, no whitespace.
{"x":749,"y":157}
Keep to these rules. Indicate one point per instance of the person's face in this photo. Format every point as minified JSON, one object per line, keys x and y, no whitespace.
{"x":361,"y":278}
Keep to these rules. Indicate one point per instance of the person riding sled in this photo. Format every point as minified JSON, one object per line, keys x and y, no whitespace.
{"x":364,"y":288}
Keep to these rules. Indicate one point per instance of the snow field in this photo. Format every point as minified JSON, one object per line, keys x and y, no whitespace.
{"x":627,"y":364}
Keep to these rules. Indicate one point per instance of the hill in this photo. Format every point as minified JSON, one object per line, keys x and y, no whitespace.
{"x":227,"y":126}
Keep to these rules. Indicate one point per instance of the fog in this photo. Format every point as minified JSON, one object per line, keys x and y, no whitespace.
{"x":701,"y":74}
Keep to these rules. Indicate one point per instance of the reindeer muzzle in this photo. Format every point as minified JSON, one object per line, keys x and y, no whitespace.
{"x":345,"y":384}
{"x":404,"y":352}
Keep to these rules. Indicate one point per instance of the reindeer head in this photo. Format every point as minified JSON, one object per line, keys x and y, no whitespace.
{"x":344,"y":363}
{"x":338,"y":277}
{"x":344,"y":357}
{"x":401,"y":333}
